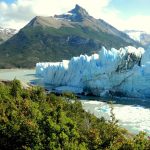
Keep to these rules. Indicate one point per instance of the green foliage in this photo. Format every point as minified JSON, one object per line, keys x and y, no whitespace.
{"x":31,"y":119}
{"x":15,"y":88}
{"x":69,"y":95}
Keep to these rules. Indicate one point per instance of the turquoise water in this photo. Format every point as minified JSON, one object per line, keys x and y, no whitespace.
{"x":133,"y":114}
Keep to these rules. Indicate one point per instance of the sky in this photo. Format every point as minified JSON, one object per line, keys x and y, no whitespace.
{"x":122,"y":14}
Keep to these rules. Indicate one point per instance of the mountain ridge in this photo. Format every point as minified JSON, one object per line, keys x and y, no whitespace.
{"x":60,"y":37}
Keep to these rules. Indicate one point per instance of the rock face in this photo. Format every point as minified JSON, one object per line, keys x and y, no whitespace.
{"x":123,"y":72}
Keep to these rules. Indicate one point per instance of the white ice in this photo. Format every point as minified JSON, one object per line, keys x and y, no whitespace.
{"x":126,"y":70}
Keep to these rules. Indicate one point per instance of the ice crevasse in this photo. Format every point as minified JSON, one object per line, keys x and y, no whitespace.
{"x":123,"y":72}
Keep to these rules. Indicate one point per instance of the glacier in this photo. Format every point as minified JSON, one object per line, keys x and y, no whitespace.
{"x":123,"y":72}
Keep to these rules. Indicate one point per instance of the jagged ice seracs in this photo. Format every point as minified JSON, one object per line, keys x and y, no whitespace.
{"x":123,"y":72}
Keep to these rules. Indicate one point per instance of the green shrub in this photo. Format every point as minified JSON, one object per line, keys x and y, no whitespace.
{"x":31,"y":119}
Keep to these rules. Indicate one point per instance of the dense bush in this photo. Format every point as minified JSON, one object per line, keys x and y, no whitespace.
{"x":32,"y":119}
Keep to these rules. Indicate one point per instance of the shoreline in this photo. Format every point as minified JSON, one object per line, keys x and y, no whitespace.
{"x":115,"y":99}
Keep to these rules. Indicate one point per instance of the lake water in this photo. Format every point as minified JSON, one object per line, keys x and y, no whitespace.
{"x":132,"y":114}
{"x":133,"y":118}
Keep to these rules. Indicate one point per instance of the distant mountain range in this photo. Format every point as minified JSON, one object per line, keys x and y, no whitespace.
{"x":60,"y":37}
{"x":139,"y":36}
{"x":6,"y":33}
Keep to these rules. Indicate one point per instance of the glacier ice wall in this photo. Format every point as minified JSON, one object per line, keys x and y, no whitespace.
{"x":123,"y":72}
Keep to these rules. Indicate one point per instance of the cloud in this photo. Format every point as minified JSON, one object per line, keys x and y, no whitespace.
{"x":3,"y":6}
{"x":15,"y":14}
{"x":20,"y":12}
{"x":137,"y":22}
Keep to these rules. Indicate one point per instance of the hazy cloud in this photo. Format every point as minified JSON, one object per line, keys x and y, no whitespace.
{"x":20,"y":12}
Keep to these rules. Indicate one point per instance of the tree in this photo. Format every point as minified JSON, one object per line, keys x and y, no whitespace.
{"x":15,"y":88}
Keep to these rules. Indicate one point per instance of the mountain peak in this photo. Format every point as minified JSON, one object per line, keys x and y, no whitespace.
{"x":77,"y":14}
{"x":78,"y":10}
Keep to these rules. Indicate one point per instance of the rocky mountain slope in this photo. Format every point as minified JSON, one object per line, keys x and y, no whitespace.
{"x":140,"y":36}
{"x":60,"y":37}
{"x":6,"y":33}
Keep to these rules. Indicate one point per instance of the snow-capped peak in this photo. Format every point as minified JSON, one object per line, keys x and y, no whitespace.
{"x":8,"y":30}
{"x":6,"y":33}
{"x":135,"y":35}
{"x":140,"y":36}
